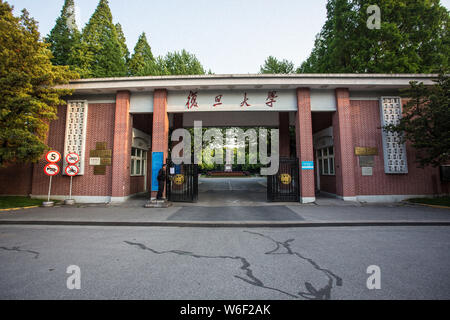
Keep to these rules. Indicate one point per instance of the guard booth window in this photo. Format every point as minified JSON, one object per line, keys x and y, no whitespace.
{"x":325,"y":157}
{"x":138,"y":160}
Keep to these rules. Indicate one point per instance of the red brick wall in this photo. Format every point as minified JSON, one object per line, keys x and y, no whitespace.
{"x":16,"y":180}
{"x":100,"y":128}
{"x":366,"y":129}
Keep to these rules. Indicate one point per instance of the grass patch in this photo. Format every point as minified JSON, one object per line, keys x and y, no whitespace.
{"x":441,"y":201}
{"x":18,"y":202}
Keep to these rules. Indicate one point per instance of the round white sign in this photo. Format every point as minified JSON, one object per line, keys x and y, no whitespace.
{"x":53,"y":156}
{"x":72,"y":170}
{"x":51,"y":169}
{"x":72,"y":158}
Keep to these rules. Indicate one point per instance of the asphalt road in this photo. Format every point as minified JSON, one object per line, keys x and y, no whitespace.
{"x":190,"y":263}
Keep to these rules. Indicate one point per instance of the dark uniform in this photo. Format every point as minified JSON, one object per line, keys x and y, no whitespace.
{"x":161,"y":182}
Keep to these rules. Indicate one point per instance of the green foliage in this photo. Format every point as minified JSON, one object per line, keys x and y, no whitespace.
{"x":65,"y":35}
{"x":179,"y":63}
{"x":414,"y":38}
{"x":101,"y":52}
{"x":142,"y":62}
{"x":426,"y":121}
{"x":273,"y":66}
{"x":28,"y":97}
{"x":123,"y":43}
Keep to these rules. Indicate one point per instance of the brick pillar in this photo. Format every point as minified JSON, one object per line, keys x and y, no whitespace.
{"x":304,"y":141}
{"x":344,"y":148}
{"x":160,"y":134}
{"x":122,"y":148}
{"x":285,"y":141}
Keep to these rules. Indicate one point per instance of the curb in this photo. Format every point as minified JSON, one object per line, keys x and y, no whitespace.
{"x":227,"y":224}
{"x":430,"y":205}
{"x":17,"y":209}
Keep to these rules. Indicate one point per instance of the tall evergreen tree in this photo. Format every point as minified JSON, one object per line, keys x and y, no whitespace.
{"x":28,"y":97}
{"x":414,"y":37}
{"x":123,"y":42}
{"x":64,"y":36}
{"x":142,"y":62}
{"x":101,"y":49}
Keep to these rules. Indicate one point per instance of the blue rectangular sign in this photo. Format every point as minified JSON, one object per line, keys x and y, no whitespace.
{"x":307,"y":165}
{"x":157,"y":163}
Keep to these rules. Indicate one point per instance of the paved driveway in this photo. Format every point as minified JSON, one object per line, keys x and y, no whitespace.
{"x":232,"y":191}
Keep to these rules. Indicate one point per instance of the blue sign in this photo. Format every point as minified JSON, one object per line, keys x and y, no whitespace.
{"x":157,"y":163}
{"x":307,"y":165}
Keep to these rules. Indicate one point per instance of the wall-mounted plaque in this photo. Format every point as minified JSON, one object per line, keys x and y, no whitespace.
{"x":367,"y":171}
{"x":366,"y":151}
{"x":100,"y":170}
{"x":367,"y":161}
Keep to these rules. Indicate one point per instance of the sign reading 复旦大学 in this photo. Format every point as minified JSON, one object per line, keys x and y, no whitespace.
{"x":232,"y":100}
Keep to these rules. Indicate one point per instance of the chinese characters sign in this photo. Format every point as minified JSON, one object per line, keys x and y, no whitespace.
{"x":395,"y":161}
{"x":232,"y":100}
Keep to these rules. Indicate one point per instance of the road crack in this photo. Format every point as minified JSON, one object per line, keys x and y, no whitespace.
{"x":17,"y":249}
{"x":245,"y":265}
{"x":312,"y":293}
{"x":281,"y":248}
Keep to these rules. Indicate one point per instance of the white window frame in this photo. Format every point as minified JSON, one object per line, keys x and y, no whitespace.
{"x":138,"y":155}
{"x":324,"y":156}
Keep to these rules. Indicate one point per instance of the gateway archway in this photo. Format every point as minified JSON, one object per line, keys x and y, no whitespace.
{"x":230,"y":182}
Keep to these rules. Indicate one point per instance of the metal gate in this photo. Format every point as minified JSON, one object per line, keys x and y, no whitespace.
{"x":284,"y":186}
{"x":182,"y":183}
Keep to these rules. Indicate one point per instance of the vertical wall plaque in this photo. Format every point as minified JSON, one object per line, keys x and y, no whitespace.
{"x":395,"y":161}
{"x":75,"y":139}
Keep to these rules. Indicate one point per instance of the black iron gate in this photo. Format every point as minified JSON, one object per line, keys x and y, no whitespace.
{"x":284,"y":186}
{"x":182,"y":183}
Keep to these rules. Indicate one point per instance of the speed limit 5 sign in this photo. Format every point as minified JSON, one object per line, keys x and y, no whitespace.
{"x":53,"y":156}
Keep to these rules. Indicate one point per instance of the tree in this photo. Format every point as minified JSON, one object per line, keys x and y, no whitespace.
{"x":274,"y":66}
{"x":142,"y":62}
{"x":28,"y":98}
{"x":100,"y":54}
{"x":123,"y":43}
{"x":426,"y":121}
{"x":178,"y":63}
{"x":64,"y":36}
{"x":413,"y":38}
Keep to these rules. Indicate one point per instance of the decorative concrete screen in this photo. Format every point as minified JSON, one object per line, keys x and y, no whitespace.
{"x":395,"y":161}
{"x":75,"y":139}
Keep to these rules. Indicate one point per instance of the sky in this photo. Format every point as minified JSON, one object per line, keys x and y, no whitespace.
{"x":227,"y":36}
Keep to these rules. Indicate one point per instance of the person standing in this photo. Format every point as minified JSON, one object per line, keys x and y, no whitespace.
{"x":161,"y":182}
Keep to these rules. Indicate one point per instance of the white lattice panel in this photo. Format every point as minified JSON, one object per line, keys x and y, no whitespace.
{"x":395,"y":160}
{"x":75,"y":139}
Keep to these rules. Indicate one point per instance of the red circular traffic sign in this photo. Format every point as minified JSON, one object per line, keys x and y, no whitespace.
{"x":72,"y":170}
{"x":72,"y":158}
{"x":51,"y":169}
{"x":53,"y":156}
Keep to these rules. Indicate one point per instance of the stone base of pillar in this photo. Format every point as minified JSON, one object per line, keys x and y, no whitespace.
{"x":158,"y":204}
